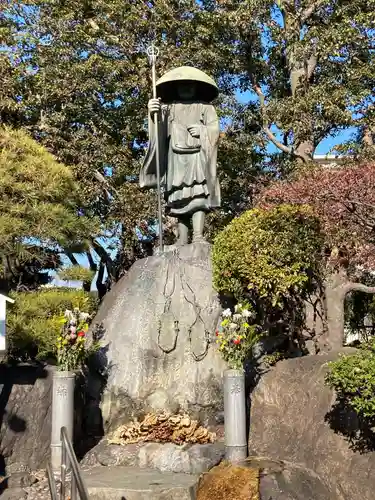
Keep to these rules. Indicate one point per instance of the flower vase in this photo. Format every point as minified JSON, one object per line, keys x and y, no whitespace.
{"x":235,"y":415}
{"x":63,"y":385}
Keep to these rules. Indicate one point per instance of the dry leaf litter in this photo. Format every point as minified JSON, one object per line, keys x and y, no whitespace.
{"x":163,"y":428}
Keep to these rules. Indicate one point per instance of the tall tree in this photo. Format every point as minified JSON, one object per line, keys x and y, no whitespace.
{"x":85,"y":85}
{"x":39,"y":212}
{"x":344,"y":202}
{"x":316,"y":76}
{"x":77,"y":77}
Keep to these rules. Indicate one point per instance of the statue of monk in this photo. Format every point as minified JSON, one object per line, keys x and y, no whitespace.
{"x":188,"y":141}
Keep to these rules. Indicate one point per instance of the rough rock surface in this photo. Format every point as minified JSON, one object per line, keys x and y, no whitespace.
{"x":261,"y":479}
{"x":280,"y":480}
{"x":25,"y":409}
{"x":158,"y":345}
{"x":294,"y":418}
{"x":190,"y":459}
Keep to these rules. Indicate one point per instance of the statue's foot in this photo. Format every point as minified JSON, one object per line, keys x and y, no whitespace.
{"x":181,"y":242}
{"x":199,"y":238}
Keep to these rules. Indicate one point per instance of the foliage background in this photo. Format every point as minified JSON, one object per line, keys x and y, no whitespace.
{"x":270,"y":258}
{"x":76,"y":76}
{"x":35,"y":320}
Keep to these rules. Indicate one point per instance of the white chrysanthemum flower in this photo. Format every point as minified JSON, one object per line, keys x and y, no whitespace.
{"x":227,"y":313}
{"x":246,"y":313}
{"x":233,"y":326}
{"x":237,"y":317}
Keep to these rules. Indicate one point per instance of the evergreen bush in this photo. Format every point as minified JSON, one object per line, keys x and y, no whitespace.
{"x":268,"y":254}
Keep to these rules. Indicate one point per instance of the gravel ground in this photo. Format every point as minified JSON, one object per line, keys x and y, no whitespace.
{"x":38,"y":490}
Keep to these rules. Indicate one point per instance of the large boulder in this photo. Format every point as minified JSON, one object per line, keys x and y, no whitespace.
{"x":25,"y":418}
{"x":25,"y":431}
{"x":158,"y":325}
{"x":261,"y":479}
{"x":294,"y":417}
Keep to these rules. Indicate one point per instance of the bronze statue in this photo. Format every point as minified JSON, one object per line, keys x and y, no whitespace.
{"x":188,"y":129}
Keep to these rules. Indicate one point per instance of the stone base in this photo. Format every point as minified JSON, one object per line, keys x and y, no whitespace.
{"x":159,"y":343}
{"x":188,"y":459}
{"x":25,"y":431}
{"x":114,"y":483}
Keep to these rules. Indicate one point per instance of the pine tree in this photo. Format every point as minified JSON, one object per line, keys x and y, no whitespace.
{"x":39,"y":212}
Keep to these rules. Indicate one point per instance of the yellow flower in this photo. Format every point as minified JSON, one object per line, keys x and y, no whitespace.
{"x":246,"y":325}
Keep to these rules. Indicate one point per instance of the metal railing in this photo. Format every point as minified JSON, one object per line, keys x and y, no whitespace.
{"x":68,"y":458}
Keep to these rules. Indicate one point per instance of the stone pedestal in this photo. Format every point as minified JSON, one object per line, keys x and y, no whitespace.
{"x":159,"y":349}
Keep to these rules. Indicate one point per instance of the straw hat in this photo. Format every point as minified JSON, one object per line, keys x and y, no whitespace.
{"x":166,"y":86}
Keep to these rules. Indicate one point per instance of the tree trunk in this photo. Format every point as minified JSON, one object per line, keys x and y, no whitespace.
{"x":337,"y":286}
{"x":335,"y":307}
{"x":315,"y":320}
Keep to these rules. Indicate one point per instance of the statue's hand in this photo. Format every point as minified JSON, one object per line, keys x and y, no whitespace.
{"x":194,"y":130}
{"x":154,"y":106}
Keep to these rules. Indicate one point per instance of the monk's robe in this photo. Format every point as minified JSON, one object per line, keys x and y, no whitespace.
{"x":187,"y":164}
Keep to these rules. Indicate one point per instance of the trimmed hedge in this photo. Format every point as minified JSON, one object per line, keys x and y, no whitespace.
{"x":267,"y":253}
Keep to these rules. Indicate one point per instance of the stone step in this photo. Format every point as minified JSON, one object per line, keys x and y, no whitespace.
{"x":132,"y":483}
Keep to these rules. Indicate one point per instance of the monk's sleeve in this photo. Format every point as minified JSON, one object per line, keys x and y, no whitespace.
{"x":210,"y":138}
{"x":147,"y":174}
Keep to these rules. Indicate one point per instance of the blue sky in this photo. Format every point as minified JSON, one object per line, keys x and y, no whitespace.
{"x":323,"y":148}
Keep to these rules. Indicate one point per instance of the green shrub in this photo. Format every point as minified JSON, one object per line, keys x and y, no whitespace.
{"x":352,"y":376}
{"x":34,"y":321}
{"x":270,"y":254}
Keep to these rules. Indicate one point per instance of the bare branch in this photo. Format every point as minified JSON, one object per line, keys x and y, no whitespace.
{"x":371,"y":206}
{"x":276,"y":142}
{"x":307,"y":13}
{"x":100,"y":285}
{"x":268,"y":132}
{"x":357,"y":287}
{"x":104,"y":256}
{"x":72,"y":258}
{"x":92,"y":263}
{"x":310,"y":66}
{"x":106,"y":185}
{"x":368,"y":136}
{"x":266,"y":129}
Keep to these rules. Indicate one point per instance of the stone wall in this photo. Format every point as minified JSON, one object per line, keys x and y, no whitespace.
{"x":25,"y":417}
